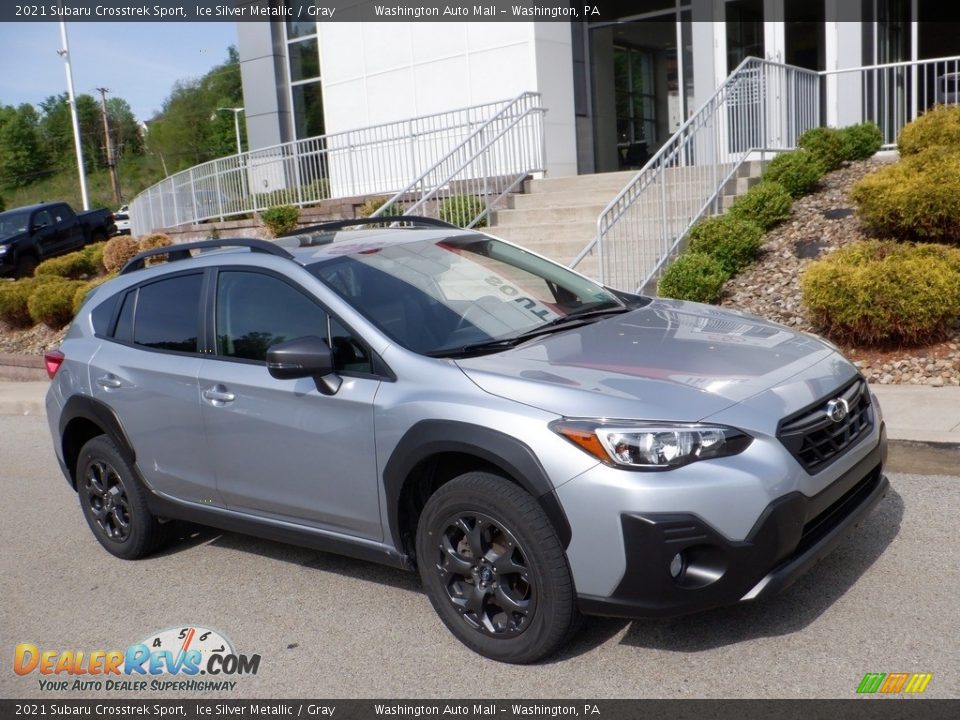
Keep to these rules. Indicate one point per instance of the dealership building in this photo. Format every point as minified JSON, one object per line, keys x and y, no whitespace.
{"x":614,"y":91}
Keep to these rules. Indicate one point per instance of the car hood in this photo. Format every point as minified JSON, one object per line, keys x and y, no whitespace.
{"x":10,"y":237}
{"x":669,"y":360}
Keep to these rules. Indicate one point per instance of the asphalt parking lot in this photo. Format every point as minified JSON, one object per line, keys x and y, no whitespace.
{"x":325,"y":626}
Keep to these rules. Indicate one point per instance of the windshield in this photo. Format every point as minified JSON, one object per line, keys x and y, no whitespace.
{"x":13,"y":222}
{"x":437,"y":295}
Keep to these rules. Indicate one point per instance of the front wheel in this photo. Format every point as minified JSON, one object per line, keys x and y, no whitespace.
{"x":494,"y":569}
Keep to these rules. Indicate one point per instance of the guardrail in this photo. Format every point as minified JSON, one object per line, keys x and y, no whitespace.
{"x":375,"y":160}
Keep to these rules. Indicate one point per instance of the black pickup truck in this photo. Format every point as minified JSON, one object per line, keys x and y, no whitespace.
{"x":31,"y":234}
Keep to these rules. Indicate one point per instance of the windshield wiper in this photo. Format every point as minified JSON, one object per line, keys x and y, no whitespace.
{"x":575,"y":319}
{"x":578,"y":318}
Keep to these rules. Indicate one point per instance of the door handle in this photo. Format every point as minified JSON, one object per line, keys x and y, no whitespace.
{"x":109,"y":382}
{"x":218,"y":395}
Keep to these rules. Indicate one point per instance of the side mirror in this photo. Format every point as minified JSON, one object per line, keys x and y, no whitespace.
{"x":308,"y":356}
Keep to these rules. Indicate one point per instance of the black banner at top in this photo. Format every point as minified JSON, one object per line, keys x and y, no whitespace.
{"x":384,"y":10}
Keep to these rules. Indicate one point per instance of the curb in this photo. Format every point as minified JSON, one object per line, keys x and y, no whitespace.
{"x":21,"y":367}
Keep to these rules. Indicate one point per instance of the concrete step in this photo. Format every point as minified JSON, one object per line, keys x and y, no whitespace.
{"x":580,"y":232}
{"x":548,"y":216}
{"x":562,"y":198}
{"x":600,"y":181}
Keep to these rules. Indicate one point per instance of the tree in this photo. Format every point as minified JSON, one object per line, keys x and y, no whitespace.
{"x":189,"y":129}
{"x":22,"y":156}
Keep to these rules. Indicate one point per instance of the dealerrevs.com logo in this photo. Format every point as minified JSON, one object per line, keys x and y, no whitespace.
{"x":171,"y":660}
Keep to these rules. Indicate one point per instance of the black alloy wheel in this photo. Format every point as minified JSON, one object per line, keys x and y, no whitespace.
{"x":106,"y":498}
{"x":484,"y":570}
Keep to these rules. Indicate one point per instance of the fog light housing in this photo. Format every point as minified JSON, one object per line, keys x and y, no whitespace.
{"x":676,"y":565}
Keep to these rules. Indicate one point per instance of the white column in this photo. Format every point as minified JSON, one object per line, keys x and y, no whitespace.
{"x":844,"y":49}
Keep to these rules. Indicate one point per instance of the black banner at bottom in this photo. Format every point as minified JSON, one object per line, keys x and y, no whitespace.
{"x":862,"y":708}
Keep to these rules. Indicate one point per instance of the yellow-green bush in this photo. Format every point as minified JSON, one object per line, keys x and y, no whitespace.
{"x":95,"y":254}
{"x":460,"y":210}
{"x":280,"y":219}
{"x":797,"y":171}
{"x":693,"y":276}
{"x":73,"y":265}
{"x":938,"y":127}
{"x":118,"y":251}
{"x":371,"y":205}
{"x":884,"y":293}
{"x":13,"y":302}
{"x":728,"y":239}
{"x":861,"y":141}
{"x":80,"y":294}
{"x":766,"y":204}
{"x":826,"y":144}
{"x":51,"y":303}
{"x":917,"y":198}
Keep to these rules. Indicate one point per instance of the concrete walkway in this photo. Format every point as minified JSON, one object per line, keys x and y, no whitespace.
{"x":913,"y":413}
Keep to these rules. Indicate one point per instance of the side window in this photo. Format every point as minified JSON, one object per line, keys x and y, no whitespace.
{"x":124,"y":330}
{"x":42,"y":219}
{"x":168,"y":314}
{"x":349,"y":355}
{"x":255,"y":311}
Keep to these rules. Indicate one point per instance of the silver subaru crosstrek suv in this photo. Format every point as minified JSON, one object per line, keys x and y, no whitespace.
{"x":536,"y":445}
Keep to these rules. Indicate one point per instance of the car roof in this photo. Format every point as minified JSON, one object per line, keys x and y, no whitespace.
{"x":35,"y":206}
{"x":320,"y":246}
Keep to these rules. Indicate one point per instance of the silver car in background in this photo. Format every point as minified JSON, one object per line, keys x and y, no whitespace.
{"x":536,"y":445}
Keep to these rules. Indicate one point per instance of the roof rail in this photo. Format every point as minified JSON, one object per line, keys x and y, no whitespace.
{"x":182,"y":251}
{"x":414,"y":220}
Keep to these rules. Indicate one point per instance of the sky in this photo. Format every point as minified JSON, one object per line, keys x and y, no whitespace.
{"x":139,"y":62}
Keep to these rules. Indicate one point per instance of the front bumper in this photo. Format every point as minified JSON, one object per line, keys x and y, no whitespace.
{"x":791,"y":535}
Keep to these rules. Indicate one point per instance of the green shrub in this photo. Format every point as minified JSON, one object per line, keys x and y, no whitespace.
{"x":51,"y":303}
{"x":371,"y":205}
{"x":826,"y":144}
{"x":938,"y":127}
{"x":95,"y":254}
{"x":765,"y":204}
{"x":13,"y":302}
{"x":460,"y":210}
{"x":884,"y":293}
{"x":80,"y":294}
{"x":797,"y":171}
{"x":916,"y":198}
{"x":118,"y":252}
{"x":693,"y":276}
{"x":73,"y":266}
{"x":280,"y":219}
{"x":861,"y":141}
{"x":728,"y":239}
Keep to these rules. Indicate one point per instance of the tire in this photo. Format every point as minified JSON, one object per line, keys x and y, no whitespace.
{"x":517,"y":603}
{"x":26,"y":264}
{"x":98,"y":236}
{"x":114,"y":503}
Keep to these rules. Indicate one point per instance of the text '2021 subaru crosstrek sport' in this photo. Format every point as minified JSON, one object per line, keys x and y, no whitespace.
{"x":536,"y":445}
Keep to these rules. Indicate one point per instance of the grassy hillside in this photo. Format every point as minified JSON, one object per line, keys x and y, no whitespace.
{"x":136,"y":174}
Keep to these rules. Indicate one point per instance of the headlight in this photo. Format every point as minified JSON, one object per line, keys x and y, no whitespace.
{"x":3,"y":249}
{"x":651,"y":446}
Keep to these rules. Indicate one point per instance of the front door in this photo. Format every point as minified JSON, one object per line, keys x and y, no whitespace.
{"x":281,"y":448}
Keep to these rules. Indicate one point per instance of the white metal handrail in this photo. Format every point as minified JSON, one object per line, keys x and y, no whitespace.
{"x":469,"y":182}
{"x":373,"y":160}
{"x":641,"y":228}
{"x":761,"y":106}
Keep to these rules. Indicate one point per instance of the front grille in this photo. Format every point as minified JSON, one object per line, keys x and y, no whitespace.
{"x":816,"y":440}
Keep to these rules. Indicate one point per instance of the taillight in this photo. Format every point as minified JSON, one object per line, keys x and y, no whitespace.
{"x":53,"y":359}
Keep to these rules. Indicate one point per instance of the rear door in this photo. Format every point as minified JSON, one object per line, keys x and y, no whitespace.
{"x":281,"y":448}
{"x":147,"y":372}
{"x":70,"y":231}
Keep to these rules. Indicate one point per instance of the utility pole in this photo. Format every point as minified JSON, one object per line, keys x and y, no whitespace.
{"x":111,"y":159}
{"x":64,"y":52}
